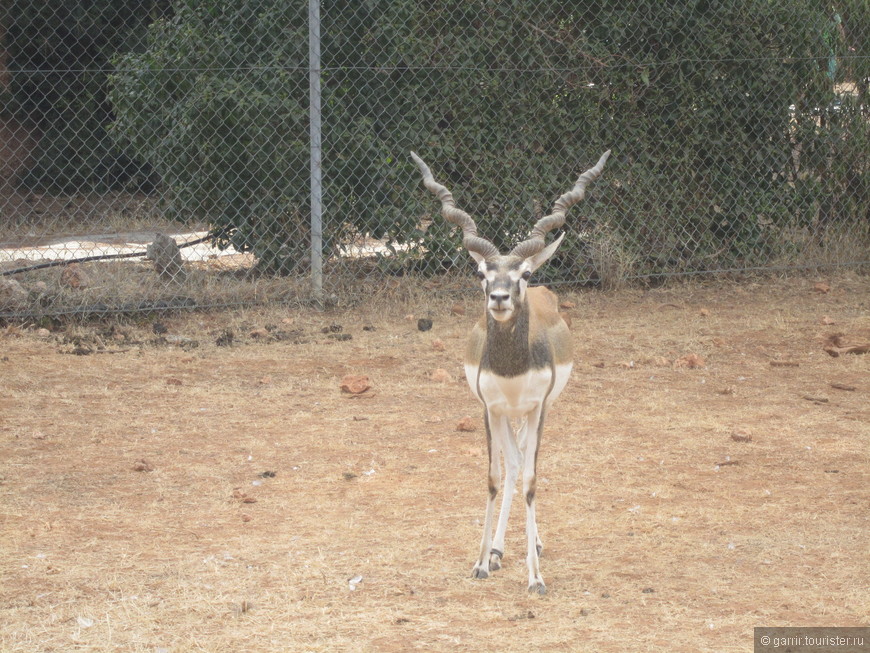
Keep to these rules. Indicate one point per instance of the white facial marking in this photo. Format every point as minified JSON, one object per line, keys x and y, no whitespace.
{"x":505,"y":287}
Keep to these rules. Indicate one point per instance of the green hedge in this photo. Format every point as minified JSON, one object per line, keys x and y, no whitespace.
{"x":726,"y":128}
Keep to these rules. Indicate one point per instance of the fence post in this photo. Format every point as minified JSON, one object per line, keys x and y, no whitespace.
{"x":316,"y":150}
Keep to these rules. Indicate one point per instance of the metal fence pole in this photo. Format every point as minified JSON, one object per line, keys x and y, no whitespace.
{"x":316,"y":149}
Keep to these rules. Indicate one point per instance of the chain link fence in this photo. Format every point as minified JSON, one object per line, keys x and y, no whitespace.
{"x":181,"y":153}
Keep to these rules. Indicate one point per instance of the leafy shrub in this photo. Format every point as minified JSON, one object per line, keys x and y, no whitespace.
{"x":712,"y":110}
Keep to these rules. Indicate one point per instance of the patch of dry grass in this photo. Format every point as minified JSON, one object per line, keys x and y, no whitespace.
{"x":661,"y":531}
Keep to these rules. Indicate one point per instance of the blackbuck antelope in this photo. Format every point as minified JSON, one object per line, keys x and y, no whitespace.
{"x":517,"y":361}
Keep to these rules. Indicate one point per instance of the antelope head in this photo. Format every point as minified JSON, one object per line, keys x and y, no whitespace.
{"x":505,"y":277}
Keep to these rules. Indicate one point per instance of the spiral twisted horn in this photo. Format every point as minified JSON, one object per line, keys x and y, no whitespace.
{"x":470,"y":239}
{"x":535,"y":242}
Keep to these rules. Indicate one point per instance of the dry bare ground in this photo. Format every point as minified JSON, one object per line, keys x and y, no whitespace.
{"x":169,"y":493}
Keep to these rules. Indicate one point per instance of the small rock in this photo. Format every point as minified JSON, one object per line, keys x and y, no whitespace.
{"x":424,"y":324}
{"x":741,"y":435}
{"x":259,"y":333}
{"x":689,"y":361}
{"x":12,"y":293}
{"x":567,"y":305}
{"x":466,"y":424}
{"x":457,"y":309}
{"x":142,"y":465}
{"x":822,"y":287}
{"x":438,"y":345}
{"x":242,"y":496}
{"x":355,"y":384}
{"x":167,"y":258}
{"x":704,"y":312}
{"x":43,"y":333}
{"x":441,"y":376}
{"x":173,"y":381}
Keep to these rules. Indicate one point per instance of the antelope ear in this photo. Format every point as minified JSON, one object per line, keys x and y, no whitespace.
{"x":537,"y":260}
{"x":478,"y":258}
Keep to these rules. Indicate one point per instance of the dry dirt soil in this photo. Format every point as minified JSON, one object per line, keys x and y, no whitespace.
{"x":211,"y":488}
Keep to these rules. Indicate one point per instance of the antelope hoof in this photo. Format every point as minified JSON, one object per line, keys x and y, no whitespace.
{"x":538,"y":587}
{"x":479,"y":572}
{"x":495,"y":560}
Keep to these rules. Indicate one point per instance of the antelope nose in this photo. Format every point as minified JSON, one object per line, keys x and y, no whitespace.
{"x":499,"y":297}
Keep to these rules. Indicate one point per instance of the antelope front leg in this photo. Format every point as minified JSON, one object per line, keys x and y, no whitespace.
{"x":481,"y":568}
{"x":512,"y":462}
{"x":534,"y":426}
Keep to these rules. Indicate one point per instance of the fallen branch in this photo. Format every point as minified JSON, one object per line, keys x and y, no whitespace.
{"x":88,"y":259}
{"x":853,"y":349}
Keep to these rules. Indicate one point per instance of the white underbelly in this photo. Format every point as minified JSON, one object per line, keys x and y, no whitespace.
{"x":518,"y":396}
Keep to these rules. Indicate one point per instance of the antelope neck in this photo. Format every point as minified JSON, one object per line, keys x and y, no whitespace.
{"x":508,"y":351}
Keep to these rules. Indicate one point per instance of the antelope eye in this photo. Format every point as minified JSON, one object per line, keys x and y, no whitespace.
{"x":480,"y":275}
{"x":527,"y":275}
